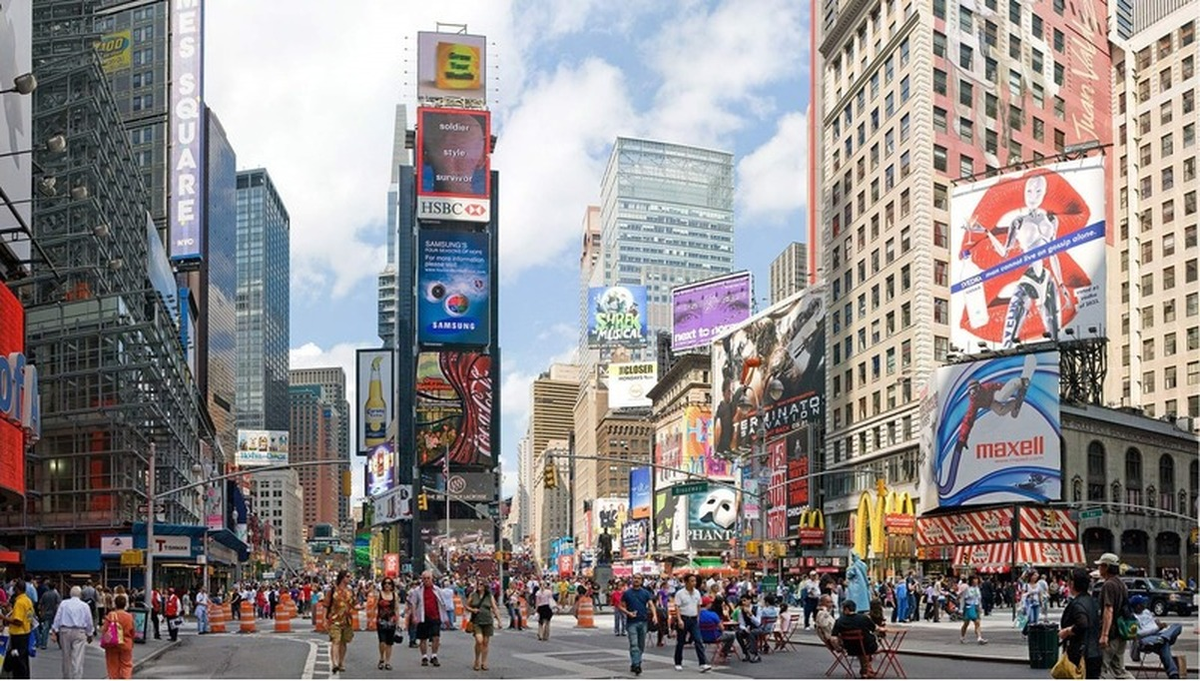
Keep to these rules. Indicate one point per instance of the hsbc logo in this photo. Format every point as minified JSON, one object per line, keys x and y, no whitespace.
{"x":470,"y":210}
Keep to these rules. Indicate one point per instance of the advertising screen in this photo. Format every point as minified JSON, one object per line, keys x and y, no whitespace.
{"x":633,"y":539}
{"x":381,"y":469}
{"x":453,"y":165}
{"x":611,"y":514}
{"x":261,"y":448}
{"x":1030,"y":256}
{"x":451,"y":65}
{"x":187,"y":192}
{"x":685,"y":450}
{"x":998,"y":427}
{"x":394,"y":505}
{"x":712,"y":518}
{"x":775,"y":498}
{"x":19,"y":408}
{"x":797,"y":468}
{"x":705,"y":310}
{"x":376,"y":406}
{"x":454,"y":284}
{"x":769,"y":374}
{"x":670,"y":521}
{"x":454,"y":408}
{"x":617,"y":316}
{"x":16,"y":120}
{"x":628,"y":383}
{"x":639,"y":492}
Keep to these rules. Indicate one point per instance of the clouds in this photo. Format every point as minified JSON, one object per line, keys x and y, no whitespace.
{"x":773,"y":179}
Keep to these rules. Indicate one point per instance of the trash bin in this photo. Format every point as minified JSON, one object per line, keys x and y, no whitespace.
{"x":1043,"y":645}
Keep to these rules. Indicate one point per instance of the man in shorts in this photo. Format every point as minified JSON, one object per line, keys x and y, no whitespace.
{"x":425,"y":607}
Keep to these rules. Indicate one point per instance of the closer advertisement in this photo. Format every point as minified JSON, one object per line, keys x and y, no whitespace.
{"x":381,"y":469}
{"x":1030,"y":260}
{"x":16,"y":122}
{"x":188,"y":140}
{"x":769,"y":374}
{"x":454,"y":285}
{"x":451,"y":65}
{"x":454,"y":165}
{"x":376,"y":395}
{"x":684,"y":450}
{"x":640,"y":487}
{"x":998,"y":428}
{"x":261,"y":448}
{"x":628,"y":383}
{"x":712,"y":519}
{"x":616,"y":316}
{"x":454,"y":408}
{"x":705,"y":310}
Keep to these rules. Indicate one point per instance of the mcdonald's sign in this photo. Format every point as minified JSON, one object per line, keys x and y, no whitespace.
{"x":879,"y":514}
{"x":812,"y":528}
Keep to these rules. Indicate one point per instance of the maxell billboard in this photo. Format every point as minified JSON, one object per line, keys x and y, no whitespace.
{"x":704,"y":310}
{"x":1030,"y":265}
{"x":187,"y":193}
{"x":16,"y":124}
{"x":617,"y":316}
{"x":998,"y":428}
{"x":451,"y":65}
{"x":453,"y":164}
{"x":628,"y":383}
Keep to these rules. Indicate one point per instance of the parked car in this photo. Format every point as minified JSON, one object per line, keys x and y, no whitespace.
{"x":1161,"y":596}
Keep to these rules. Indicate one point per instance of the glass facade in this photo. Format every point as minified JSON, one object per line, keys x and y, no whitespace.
{"x":263,"y":272}
{"x":220,"y":286}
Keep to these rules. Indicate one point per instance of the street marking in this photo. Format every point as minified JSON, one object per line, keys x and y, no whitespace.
{"x":310,"y":664}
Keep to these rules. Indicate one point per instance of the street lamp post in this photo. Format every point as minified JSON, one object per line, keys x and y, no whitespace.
{"x":151,"y":502}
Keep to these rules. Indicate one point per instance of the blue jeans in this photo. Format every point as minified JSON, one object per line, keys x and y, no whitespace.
{"x":1032,"y":608}
{"x":691,"y":627}
{"x":636,"y":631}
{"x":43,"y":633}
{"x":618,"y":623}
{"x":202,"y":619}
{"x":900,"y":612}
{"x":1161,"y":643}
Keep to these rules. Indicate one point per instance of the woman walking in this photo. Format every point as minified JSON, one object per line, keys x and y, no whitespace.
{"x":340,"y":610}
{"x":1080,"y":631}
{"x":545,"y":610}
{"x":972,"y":604}
{"x":388,"y":617}
{"x":481,"y":612}
{"x":119,"y":658}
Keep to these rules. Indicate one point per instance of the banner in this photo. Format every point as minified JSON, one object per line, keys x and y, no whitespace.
{"x":454,"y":285}
{"x":187,"y":132}
{"x":633,"y":539}
{"x":617,"y":316}
{"x":687,"y":448}
{"x":712,"y":519}
{"x":115,"y":52}
{"x":391,"y":565}
{"x":1031,"y":256}
{"x":628,"y":383}
{"x":393,"y":505}
{"x":261,"y":448}
{"x":453,"y":165}
{"x":451,"y":65}
{"x":769,"y":374}
{"x":704,"y":310}
{"x":776,"y":492}
{"x":454,"y":408}
{"x":998,"y":431}
{"x":381,"y":469}
{"x":376,"y":407}
{"x":670,"y":521}
{"x":640,"y":485}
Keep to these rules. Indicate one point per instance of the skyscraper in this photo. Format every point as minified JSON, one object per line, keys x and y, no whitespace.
{"x":312,"y":438}
{"x":332,"y":381}
{"x":389,"y":285}
{"x":789,"y":272}
{"x":263,"y":271}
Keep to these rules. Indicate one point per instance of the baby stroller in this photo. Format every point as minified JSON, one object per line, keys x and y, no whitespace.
{"x":953,"y":610}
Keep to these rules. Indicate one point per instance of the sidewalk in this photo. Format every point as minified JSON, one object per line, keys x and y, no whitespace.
{"x":48,"y":663}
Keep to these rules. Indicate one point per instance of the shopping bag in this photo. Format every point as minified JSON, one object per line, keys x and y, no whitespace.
{"x":1066,"y":669}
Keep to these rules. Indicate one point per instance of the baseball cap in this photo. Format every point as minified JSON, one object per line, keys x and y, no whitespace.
{"x":1109,"y":559}
{"x":1137,"y":600}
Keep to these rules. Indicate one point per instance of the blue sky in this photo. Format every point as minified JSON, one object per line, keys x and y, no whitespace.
{"x":309,"y":94}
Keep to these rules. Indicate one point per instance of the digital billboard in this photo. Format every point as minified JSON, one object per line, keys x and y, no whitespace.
{"x":393,"y":505}
{"x":454,"y":286}
{"x":640,"y":487}
{"x":670,"y":521}
{"x":464,"y":485}
{"x":453,"y":165}
{"x":381,"y":469}
{"x":454,"y":408}
{"x":634,"y":538}
{"x":704,"y":310}
{"x":186,"y":191}
{"x":376,"y":401}
{"x":261,"y":448}
{"x":775,"y":498}
{"x":20,"y":404}
{"x":769,"y":373}
{"x":1031,"y":256}
{"x":684,"y":450}
{"x":798,"y":462}
{"x":628,"y":383}
{"x":712,"y":518}
{"x":617,"y":316}
{"x":16,"y":122}
{"x":451,"y":65}
{"x":998,"y":428}
{"x":611,"y":514}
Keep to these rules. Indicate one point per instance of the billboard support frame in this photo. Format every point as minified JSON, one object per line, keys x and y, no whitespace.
{"x":1026,"y":164}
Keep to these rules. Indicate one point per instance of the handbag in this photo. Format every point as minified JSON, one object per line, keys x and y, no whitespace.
{"x":112,"y":635}
{"x":469,"y":627}
{"x":1066,"y":669}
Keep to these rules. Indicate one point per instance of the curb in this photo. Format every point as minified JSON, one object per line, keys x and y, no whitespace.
{"x":156,"y":654}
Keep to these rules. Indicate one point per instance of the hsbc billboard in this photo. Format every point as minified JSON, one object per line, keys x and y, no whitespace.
{"x":454,"y":164}
{"x":466,"y":210}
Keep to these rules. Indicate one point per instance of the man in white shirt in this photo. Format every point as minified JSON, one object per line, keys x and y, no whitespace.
{"x":447,"y":596}
{"x":73,"y":627}
{"x":1154,"y":637}
{"x":687,"y":623}
{"x":202,"y":611}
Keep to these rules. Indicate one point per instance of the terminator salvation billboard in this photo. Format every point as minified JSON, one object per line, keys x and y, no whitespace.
{"x":1030,"y":262}
{"x":453,"y":165}
{"x":770,"y":372}
{"x":702,"y":311}
{"x":997,"y":434}
{"x":454,"y":408}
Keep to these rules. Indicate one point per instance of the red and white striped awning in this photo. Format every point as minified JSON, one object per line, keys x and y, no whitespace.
{"x":1050,"y":554}
{"x":985,"y":557}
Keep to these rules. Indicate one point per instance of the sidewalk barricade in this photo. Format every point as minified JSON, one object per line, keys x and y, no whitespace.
{"x":283,"y":614}
{"x":586,"y":617}
{"x":372,"y":614}
{"x":217,"y":617}
{"x":458,"y":607}
{"x":319,"y":624}
{"x":356,"y":619}
{"x":248,"y":623}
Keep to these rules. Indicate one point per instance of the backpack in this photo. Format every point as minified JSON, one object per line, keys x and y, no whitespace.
{"x":112,"y":636}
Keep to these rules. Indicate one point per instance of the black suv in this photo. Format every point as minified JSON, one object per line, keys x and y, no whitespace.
{"x":1161,"y":596}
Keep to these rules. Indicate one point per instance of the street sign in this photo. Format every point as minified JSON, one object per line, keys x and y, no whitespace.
{"x":1091,"y":513}
{"x":132,"y":558}
{"x":158,"y":508}
{"x":690,"y":488}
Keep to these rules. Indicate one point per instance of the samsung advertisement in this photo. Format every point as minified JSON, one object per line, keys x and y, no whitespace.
{"x":453,"y":288}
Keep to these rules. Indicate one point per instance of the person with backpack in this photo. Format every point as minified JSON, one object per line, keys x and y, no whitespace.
{"x":1114,"y":604}
{"x":116,"y":638}
{"x":174,"y":610}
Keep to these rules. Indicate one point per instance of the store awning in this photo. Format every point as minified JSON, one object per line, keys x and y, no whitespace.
{"x":229,"y":540}
{"x":985,"y":557}
{"x":62,"y":560}
{"x":1050,"y":554}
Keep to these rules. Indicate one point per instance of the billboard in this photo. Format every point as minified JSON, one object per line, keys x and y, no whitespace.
{"x":393,"y":505}
{"x":640,"y":485}
{"x":16,"y":120}
{"x":712,"y":518}
{"x":670,"y":521}
{"x":769,"y":374}
{"x":1030,"y":263}
{"x":381,"y":469}
{"x":611,"y":514}
{"x":115,"y":50}
{"x":453,"y":165}
{"x":686,"y":448}
{"x":464,"y":485}
{"x":454,"y":283}
{"x":20,"y":404}
{"x":776,"y":492}
{"x":377,"y":409}
{"x":261,"y":448}
{"x":798,"y":461}
{"x":454,"y":408}
{"x":186,"y":190}
{"x":704,"y":310}
{"x":634,"y":537}
{"x":451,"y":65}
{"x":628,"y":383}
{"x":617,"y":316}
{"x":998,"y":429}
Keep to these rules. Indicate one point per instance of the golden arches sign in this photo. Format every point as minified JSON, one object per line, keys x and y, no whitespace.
{"x":872,"y":519}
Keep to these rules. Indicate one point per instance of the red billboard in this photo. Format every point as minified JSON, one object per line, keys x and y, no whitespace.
{"x":18,"y":395}
{"x":453,"y":165}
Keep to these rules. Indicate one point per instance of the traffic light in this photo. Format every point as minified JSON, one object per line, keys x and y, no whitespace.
{"x":347,"y":483}
{"x":423,"y":502}
{"x":551,"y":476}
